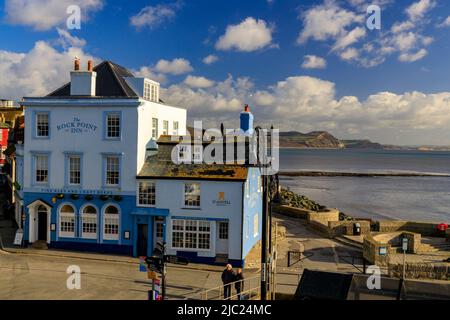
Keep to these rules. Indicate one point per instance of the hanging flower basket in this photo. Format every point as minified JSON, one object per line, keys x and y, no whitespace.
{"x":88,"y":197}
{"x":117,"y":198}
{"x":74,"y":196}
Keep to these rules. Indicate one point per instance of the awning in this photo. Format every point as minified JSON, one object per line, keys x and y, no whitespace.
{"x":151,"y":212}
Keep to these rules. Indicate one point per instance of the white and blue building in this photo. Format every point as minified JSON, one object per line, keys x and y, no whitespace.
{"x":94,"y":179}
{"x":84,"y":145}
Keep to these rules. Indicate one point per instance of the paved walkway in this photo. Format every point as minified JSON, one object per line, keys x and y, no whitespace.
{"x":318,"y":254}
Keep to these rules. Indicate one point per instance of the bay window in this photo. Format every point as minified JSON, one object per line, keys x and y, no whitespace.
{"x":191,"y":234}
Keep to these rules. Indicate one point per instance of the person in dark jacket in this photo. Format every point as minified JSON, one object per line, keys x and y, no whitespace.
{"x":239,"y":283}
{"x":228,"y":277}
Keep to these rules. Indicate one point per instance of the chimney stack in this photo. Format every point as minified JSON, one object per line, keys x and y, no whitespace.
{"x":247,"y":121}
{"x":83,"y":83}
{"x":77,"y":64}
{"x":90,"y":66}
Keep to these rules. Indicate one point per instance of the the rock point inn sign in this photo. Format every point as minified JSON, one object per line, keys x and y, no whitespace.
{"x":76,"y":127}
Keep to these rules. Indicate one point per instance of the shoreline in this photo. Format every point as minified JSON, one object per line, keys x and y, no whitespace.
{"x":358,"y":174}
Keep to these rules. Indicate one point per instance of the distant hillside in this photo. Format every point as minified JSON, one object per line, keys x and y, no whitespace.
{"x":315,"y":139}
{"x":361,"y":144}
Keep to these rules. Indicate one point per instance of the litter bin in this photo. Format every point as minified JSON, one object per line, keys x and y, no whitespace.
{"x":357,"y":229}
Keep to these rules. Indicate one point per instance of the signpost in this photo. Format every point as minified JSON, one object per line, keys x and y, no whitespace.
{"x":157,"y":264}
{"x":404,"y":248}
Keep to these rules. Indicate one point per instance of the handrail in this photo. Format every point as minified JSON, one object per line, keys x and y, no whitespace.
{"x":216,"y":293}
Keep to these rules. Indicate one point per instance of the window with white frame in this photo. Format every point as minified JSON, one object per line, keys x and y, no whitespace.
{"x":41,"y":168}
{"x":147,"y":91}
{"x":184,"y":153}
{"x":159,"y":229}
{"x":223,"y":230}
{"x":147,"y":193}
{"x":197,"y":155}
{"x":112,"y":170}
{"x":176,"y":125}
{"x":165,"y":127}
{"x":192,"y":194}
{"x":42,"y":125}
{"x":155,"y":128}
{"x":67,"y":221}
{"x":113,"y":126}
{"x":89,"y":222}
{"x":74,"y":163}
{"x":111,"y":223}
{"x":191,"y":234}
{"x":255,"y":225}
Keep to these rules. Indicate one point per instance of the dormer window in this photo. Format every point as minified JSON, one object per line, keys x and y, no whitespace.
{"x":151,"y":91}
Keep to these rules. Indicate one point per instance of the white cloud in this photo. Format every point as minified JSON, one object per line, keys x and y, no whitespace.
{"x":350,"y":38}
{"x":326,"y":21}
{"x":314,"y":62}
{"x":37,"y":72}
{"x":67,"y":40}
{"x":411,"y":57}
{"x":46,"y":14}
{"x":198,"y":82}
{"x":307,"y":103}
{"x":418,"y":9}
{"x":249,"y":35}
{"x":176,"y":66}
{"x":445,"y":23}
{"x":148,"y":72}
{"x":210,"y":59}
{"x":349,"y":54}
{"x":346,"y":28}
{"x":153,"y":16}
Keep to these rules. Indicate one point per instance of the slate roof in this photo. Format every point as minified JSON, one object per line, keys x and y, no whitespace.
{"x":154,"y":168}
{"x":160,"y":166}
{"x":110,"y":82}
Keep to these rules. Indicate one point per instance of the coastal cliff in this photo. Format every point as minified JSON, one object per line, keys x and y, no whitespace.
{"x":315,"y":139}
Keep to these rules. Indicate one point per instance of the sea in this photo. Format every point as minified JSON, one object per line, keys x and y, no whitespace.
{"x":392,"y":197}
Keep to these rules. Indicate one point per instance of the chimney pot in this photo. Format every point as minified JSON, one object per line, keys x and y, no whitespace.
{"x":77,"y":64}
{"x":90,"y":66}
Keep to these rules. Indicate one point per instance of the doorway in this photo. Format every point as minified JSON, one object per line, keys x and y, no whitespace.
{"x":158,"y":232}
{"x":222,"y":238}
{"x":142,"y":240}
{"x":42,"y":223}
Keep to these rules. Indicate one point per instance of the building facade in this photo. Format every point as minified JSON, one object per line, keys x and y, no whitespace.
{"x":84,"y":145}
{"x":212,"y":211}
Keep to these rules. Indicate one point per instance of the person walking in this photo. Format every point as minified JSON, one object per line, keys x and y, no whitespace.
{"x":228,"y":277}
{"x":239,"y":283}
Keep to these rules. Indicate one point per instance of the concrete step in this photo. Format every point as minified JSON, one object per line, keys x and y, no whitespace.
{"x":40,"y":245}
{"x":349,"y":242}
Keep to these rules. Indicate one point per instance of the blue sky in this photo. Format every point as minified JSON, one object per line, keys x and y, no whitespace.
{"x":302,"y":65}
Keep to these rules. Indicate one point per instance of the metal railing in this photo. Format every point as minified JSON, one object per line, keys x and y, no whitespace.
{"x":251,"y":290}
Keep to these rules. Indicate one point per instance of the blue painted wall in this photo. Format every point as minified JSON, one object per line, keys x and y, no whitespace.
{"x":130,"y":216}
{"x":252,"y":208}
